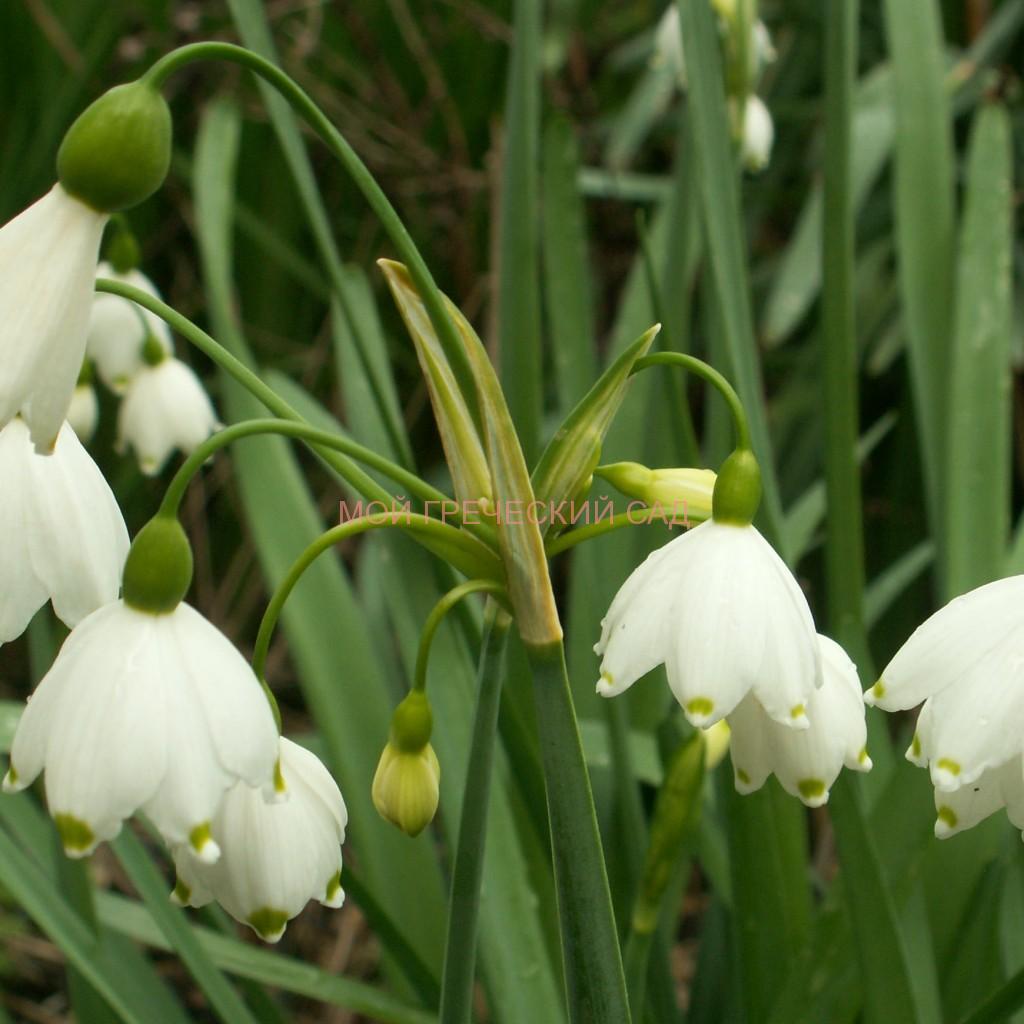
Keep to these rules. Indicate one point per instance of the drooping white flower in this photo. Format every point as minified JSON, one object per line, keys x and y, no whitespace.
{"x":64,"y":536}
{"x":758,"y":134}
{"x":275,"y":856}
{"x":805,"y":762}
{"x":118,"y":330}
{"x":144,"y":711}
{"x":966,"y":663}
{"x":48,"y":257}
{"x":165,"y":408}
{"x":719,"y":608}
{"x":84,"y":411}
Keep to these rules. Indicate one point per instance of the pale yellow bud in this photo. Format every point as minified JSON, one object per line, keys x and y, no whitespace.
{"x":406,"y":787}
{"x":716,"y":744}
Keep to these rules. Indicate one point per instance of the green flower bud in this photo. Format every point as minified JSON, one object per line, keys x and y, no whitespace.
{"x":122,"y":249}
{"x":737,"y":489}
{"x":406,"y":787}
{"x":158,"y":571}
{"x":672,"y":489}
{"x":118,"y":150}
{"x":406,"y":784}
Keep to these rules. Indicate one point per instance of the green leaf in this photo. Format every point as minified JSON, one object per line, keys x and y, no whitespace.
{"x":518,"y":272}
{"x":924,"y":217}
{"x":568,"y":298}
{"x":565,"y":469}
{"x":248,"y":961}
{"x":977,"y":484}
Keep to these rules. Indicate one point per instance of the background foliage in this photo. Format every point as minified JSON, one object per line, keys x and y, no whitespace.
{"x":530,"y":174}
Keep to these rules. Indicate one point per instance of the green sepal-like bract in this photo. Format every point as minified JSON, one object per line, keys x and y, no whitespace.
{"x":737,"y":489}
{"x":567,"y":464}
{"x":116,"y":154}
{"x":158,"y":571}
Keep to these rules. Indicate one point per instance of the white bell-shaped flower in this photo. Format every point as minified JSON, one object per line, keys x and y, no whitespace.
{"x":966,"y":663}
{"x":157,"y":712}
{"x":118,"y":330}
{"x":64,"y":536}
{"x":806,"y":762}
{"x":719,"y":608}
{"x":275,"y":856}
{"x":758,"y":134}
{"x":48,"y":257}
{"x":84,"y":411}
{"x":166,"y":408}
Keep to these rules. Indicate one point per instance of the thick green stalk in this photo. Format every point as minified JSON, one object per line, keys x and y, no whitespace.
{"x":307,"y":109}
{"x":467,"y":869}
{"x":888,"y":991}
{"x":594,"y":981}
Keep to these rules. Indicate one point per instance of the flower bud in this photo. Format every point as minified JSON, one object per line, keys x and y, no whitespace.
{"x":738,"y":489}
{"x":158,"y":571}
{"x":688,"y":490}
{"x":406,"y":784}
{"x":118,"y":150}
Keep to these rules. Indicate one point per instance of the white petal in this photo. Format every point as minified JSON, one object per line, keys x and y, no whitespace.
{"x":78,"y":539}
{"x":84,"y":412}
{"x":165,"y":408}
{"x":276,"y":856}
{"x":47,"y":261}
{"x":741,"y":623}
{"x":633,"y":632}
{"x":22,"y":593}
{"x":103,"y":722}
{"x":944,"y":648}
{"x":979,"y":722}
{"x":750,"y":745}
{"x":971,"y":804}
{"x":758,"y":134}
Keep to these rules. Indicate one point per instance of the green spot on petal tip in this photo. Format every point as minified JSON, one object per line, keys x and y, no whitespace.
{"x":702,"y":706}
{"x":181,"y":893}
{"x":76,"y":836}
{"x":915,"y":745}
{"x":798,"y":711}
{"x":947,"y":764}
{"x":280,"y":786}
{"x":269,"y":924}
{"x":878,"y":690}
{"x":743,"y":776}
{"x":947,"y":816}
{"x":811,"y":789}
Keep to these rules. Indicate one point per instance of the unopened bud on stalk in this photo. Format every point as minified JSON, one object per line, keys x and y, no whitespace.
{"x":688,"y":489}
{"x":406,"y":786}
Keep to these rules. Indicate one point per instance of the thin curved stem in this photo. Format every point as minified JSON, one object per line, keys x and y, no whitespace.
{"x":290,"y":428}
{"x":436,"y":617}
{"x":307,"y":109}
{"x":348,"y":470}
{"x":713,"y":377}
{"x":447,"y":535}
{"x":631,"y":517}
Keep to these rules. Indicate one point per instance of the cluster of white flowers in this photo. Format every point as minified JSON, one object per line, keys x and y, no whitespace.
{"x":147,"y":707}
{"x":966,"y":664}
{"x":722,"y":612}
{"x":164,"y":406}
{"x":757,"y":132}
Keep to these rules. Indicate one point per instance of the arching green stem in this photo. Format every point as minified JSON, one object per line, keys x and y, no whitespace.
{"x":334,"y":457}
{"x":713,"y":377}
{"x":446,"y":536}
{"x":436,"y":617}
{"x":290,"y":428}
{"x":307,"y":109}
{"x":631,"y":517}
